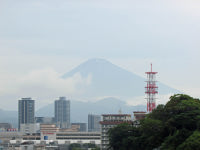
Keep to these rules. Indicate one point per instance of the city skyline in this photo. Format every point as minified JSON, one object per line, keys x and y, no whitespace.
{"x":99,"y":74}
{"x":42,"y":40}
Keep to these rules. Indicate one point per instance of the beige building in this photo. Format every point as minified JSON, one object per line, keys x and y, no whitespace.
{"x":48,"y":131}
{"x":110,"y":121}
{"x":138,"y":115}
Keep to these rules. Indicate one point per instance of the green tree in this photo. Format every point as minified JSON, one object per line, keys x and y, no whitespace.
{"x":118,"y":136}
{"x":191,"y":143}
{"x":75,"y":146}
{"x":169,"y":127}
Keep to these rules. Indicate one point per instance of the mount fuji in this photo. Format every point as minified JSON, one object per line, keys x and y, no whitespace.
{"x":111,"y":84}
{"x":109,"y":80}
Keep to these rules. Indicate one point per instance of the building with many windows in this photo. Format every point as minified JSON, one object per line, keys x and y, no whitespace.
{"x":62,"y":112}
{"x":26,"y":111}
{"x":48,"y":131}
{"x":93,"y":123}
{"x":110,"y":121}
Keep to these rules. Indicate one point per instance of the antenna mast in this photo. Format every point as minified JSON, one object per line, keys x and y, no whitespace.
{"x":151,"y":90}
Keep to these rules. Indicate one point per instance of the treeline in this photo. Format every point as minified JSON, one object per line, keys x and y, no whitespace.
{"x":174,"y":126}
{"x":86,"y":146}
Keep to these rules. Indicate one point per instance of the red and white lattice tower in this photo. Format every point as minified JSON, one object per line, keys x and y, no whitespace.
{"x":151,"y":90}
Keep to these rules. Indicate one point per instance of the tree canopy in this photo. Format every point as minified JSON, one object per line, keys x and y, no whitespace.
{"x":174,"y":126}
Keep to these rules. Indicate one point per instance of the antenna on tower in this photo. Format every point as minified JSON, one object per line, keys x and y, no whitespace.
{"x":151,"y":90}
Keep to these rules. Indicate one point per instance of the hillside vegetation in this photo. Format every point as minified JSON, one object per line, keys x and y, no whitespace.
{"x":174,"y":126}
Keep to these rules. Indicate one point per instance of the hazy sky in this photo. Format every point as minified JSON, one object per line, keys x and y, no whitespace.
{"x":43,"y":39}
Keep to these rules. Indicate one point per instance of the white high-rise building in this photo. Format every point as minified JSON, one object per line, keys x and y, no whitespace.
{"x":62,"y":113}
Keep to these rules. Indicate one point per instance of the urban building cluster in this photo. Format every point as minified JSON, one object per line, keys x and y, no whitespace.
{"x":38,"y":132}
{"x":29,"y":123}
{"x":58,"y":132}
{"x":58,"y":129}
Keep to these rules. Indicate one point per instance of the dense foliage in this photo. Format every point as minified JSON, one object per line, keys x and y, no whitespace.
{"x":174,"y":126}
{"x":76,"y":146}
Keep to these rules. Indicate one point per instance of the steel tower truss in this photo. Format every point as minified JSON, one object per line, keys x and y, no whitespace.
{"x":151,"y":90}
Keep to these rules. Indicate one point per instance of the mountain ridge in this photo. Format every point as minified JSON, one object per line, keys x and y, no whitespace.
{"x":80,"y":110}
{"x":108,"y":79}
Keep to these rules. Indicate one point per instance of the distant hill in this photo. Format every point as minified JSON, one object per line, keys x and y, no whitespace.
{"x":108,"y":79}
{"x":80,"y":110}
{"x":9,"y":117}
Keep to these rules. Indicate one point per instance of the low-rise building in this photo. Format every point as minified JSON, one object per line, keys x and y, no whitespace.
{"x":5,"y":126}
{"x":60,"y":138}
{"x":30,"y":128}
{"x":48,"y":131}
{"x":138,"y":115}
{"x":79,"y":137}
{"x":82,"y":126}
{"x":8,"y":135}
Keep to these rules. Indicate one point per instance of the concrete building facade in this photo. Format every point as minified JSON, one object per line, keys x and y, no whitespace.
{"x":48,"y":131}
{"x":26,"y":111}
{"x":30,"y":128}
{"x":110,"y":121}
{"x":62,"y":112}
{"x":94,"y":123}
